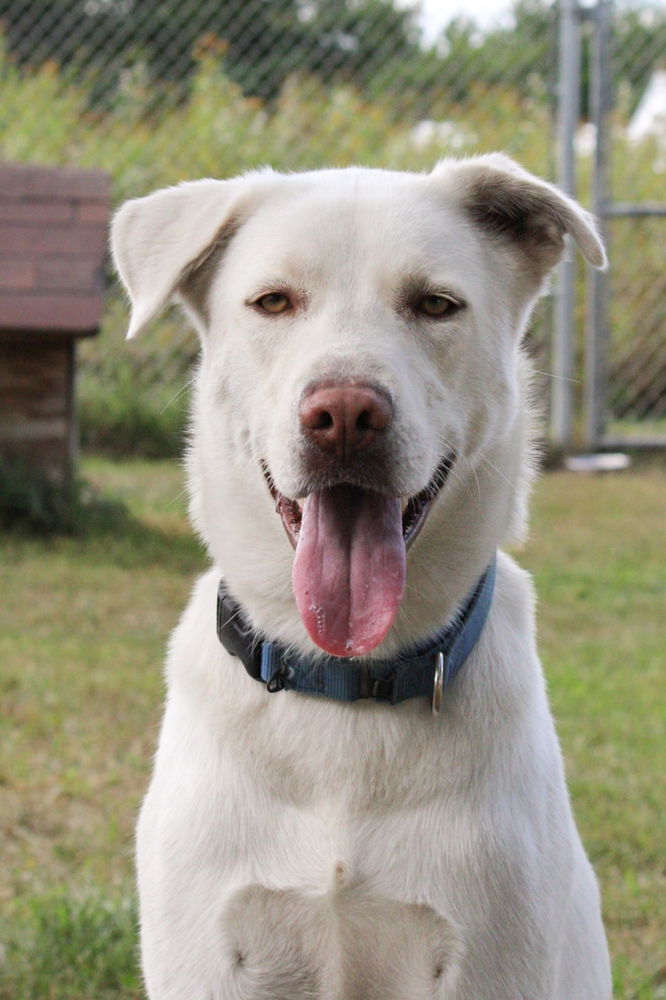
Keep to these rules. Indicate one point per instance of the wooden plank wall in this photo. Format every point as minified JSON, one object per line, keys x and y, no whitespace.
{"x":37,"y":404}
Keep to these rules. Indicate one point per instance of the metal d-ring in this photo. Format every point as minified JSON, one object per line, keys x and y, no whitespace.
{"x":438,"y":684}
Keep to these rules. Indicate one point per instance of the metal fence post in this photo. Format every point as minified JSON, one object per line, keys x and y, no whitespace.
{"x":561,"y":422}
{"x":597,"y":331}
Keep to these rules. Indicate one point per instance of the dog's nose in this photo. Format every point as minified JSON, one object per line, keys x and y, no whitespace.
{"x":344,"y":417}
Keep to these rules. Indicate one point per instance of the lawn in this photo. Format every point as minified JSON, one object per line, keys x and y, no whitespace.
{"x":83,"y":623}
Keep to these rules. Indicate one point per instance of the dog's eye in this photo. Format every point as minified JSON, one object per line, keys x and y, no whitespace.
{"x":273,"y":303}
{"x":437,"y":305}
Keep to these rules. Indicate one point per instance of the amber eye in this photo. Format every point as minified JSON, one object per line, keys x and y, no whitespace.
{"x":273,"y":303}
{"x":437,"y":305}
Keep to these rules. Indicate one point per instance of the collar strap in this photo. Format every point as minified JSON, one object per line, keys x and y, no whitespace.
{"x":425,"y":671}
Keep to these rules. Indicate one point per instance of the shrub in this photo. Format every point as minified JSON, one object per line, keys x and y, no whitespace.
{"x":134,"y":398}
{"x":32,"y":502}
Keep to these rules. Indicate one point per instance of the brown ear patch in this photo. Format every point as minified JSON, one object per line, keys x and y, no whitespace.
{"x":511,"y":205}
{"x":512,"y":210}
{"x":525,"y":215}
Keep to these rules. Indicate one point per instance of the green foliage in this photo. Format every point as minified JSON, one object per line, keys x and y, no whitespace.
{"x":32,"y":502}
{"x":262,"y":41}
{"x":372,"y":44}
{"x":134,"y":398}
{"x":131,"y":415}
{"x":220,"y":131}
{"x":639,"y":44}
{"x":60,"y":946}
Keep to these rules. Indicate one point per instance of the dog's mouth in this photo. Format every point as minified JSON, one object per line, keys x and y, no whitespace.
{"x":414,"y":509}
{"x":350,"y":563}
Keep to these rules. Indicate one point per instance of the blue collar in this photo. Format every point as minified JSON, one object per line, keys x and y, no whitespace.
{"x":425,"y":671}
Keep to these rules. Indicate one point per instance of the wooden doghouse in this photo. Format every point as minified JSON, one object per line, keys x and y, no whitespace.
{"x":53,"y":234}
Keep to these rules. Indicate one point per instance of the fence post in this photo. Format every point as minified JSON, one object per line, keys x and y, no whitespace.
{"x":561,"y":420}
{"x":597,"y":326}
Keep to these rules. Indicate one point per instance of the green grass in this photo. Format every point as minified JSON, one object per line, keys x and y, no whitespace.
{"x":83,"y":624}
{"x":597,"y":555}
{"x":62,"y":946}
{"x":638,"y":430}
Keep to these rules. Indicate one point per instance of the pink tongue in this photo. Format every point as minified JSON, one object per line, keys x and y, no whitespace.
{"x":349,"y":569}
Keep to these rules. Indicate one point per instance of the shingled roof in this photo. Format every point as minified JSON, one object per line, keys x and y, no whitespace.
{"x":53,"y":231}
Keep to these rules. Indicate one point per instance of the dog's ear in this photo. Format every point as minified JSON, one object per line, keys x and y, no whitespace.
{"x":160,"y":242}
{"x":513,"y":205}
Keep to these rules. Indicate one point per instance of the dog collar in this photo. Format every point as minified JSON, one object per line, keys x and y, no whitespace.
{"x":425,"y":671}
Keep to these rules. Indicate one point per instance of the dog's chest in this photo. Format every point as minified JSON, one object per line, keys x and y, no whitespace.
{"x":337,"y":838}
{"x":288,"y":822}
{"x":305,"y":793}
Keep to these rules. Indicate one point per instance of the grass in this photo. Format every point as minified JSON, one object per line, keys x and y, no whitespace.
{"x":599,"y":572}
{"x":638,"y":430}
{"x":84,"y":621}
{"x":83,"y":624}
{"x":83,"y":948}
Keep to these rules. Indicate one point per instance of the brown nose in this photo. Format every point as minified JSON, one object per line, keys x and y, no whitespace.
{"x":344,"y":417}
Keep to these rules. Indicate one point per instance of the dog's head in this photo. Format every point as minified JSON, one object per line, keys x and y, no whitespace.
{"x":360,"y":382}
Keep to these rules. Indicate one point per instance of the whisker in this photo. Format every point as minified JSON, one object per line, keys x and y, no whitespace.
{"x":562,"y":378}
{"x":183,"y":389}
{"x":498,"y":471}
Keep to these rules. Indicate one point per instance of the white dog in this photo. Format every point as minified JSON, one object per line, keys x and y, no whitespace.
{"x":358,"y":792}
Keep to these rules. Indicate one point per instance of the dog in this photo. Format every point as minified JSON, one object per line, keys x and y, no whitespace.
{"x":358,"y":792}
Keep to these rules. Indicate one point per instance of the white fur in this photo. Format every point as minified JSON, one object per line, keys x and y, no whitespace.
{"x":294,"y":847}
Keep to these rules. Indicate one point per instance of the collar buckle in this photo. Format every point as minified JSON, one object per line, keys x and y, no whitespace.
{"x":381,"y":688}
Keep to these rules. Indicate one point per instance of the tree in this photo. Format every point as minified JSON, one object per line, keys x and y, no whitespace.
{"x":371,"y":44}
{"x":264,"y":40}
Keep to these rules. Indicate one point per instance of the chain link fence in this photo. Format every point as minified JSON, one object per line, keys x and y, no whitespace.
{"x":157,"y":91}
{"x":635,"y":221}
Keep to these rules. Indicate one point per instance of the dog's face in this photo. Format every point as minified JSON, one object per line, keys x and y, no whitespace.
{"x":360,"y":373}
